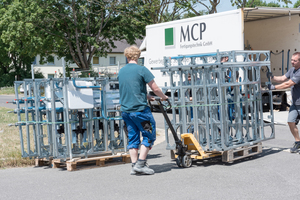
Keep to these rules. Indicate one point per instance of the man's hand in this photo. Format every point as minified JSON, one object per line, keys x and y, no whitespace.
{"x":271,"y":87}
{"x":270,"y":75}
{"x":150,"y":98}
{"x":165,"y":98}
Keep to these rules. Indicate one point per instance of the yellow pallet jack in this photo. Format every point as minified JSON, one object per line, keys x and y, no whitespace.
{"x":187,"y":148}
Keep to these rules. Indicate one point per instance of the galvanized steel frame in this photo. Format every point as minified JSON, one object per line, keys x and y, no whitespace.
{"x":56,"y":140}
{"x":209,"y":115}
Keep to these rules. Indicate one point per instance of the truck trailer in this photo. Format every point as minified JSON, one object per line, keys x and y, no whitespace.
{"x":261,"y":28}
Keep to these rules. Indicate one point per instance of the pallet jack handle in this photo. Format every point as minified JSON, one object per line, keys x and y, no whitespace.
{"x":181,"y":150}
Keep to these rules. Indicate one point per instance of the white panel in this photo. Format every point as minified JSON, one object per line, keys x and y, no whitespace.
{"x":275,"y":34}
{"x":58,"y":93}
{"x":223,"y":31}
{"x":80,"y":98}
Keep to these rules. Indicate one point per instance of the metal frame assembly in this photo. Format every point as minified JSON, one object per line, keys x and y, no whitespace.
{"x":66,"y":118}
{"x":219,"y":102}
{"x":216,"y":102}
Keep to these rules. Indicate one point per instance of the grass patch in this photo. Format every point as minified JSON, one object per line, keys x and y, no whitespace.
{"x":7,"y":91}
{"x":10,"y":148}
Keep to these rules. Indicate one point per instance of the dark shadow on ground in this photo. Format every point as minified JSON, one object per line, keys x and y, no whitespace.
{"x":166,"y":167}
{"x":153,"y":156}
{"x":218,"y":160}
{"x":171,"y":165}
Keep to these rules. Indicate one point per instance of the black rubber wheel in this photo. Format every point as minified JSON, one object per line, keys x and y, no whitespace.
{"x":179,"y":161}
{"x":186,"y":161}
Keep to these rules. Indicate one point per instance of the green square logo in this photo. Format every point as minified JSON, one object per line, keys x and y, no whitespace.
{"x":169,"y":37}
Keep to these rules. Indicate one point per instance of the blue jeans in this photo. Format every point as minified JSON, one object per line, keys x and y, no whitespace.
{"x":137,"y":122}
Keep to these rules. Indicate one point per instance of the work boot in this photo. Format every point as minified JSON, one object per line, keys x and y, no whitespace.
{"x":132,"y":172}
{"x":296,"y":147}
{"x":142,"y":167}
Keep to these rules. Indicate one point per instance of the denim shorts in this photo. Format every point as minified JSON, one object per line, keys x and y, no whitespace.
{"x":293,"y":113}
{"x":140,"y":122}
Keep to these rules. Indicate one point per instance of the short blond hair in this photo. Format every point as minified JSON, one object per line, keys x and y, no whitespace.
{"x":297,"y":54}
{"x":132,"y":53}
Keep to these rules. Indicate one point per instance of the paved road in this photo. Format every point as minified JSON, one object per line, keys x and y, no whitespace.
{"x":7,"y":98}
{"x":274,"y":174}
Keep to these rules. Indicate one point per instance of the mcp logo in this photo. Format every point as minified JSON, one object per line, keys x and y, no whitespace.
{"x":169,"y":37}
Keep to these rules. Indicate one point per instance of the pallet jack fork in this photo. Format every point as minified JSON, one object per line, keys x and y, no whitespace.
{"x":187,"y":148}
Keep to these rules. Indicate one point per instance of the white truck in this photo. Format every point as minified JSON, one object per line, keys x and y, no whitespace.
{"x":261,"y":28}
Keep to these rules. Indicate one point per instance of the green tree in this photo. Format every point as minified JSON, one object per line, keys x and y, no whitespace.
{"x":250,"y":3}
{"x":193,"y":5}
{"x":158,"y":11}
{"x":15,"y":57}
{"x":4,"y":58}
{"x":297,"y":4}
{"x":74,"y":29}
{"x":211,"y":7}
{"x":260,"y":3}
{"x":273,"y":4}
{"x":193,"y":14}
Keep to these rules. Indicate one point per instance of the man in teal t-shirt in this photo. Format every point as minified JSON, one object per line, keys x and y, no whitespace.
{"x":132,"y":83}
{"x":136,"y":113}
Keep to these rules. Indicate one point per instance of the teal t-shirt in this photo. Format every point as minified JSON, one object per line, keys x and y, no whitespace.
{"x":133,"y":80}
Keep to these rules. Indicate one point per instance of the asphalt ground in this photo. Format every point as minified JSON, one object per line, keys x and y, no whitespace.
{"x":7,"y":98}
{"x":273,"y":174}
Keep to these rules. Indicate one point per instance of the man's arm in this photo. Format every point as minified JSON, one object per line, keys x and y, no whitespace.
{"x":279,"y":79}
{"x":157,"y":90}
{"x":285,"y":85}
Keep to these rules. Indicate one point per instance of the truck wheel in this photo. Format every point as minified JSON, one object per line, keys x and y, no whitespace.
{"x":266,"y":108}
{"x":284,"y":106}
{"x":179,"y":161}
{"x":186,"y":161}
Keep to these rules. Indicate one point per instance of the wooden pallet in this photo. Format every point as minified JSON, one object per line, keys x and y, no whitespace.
{"x":242,"y":152}
{"x":101,"y":161}
{"x":59,"y":163}
{"x":40,"y":162}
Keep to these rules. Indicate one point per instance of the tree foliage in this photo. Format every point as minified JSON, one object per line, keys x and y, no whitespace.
{"x":74,"y":29}
{"x":211,"y":7}
{"x":15,"y":56}
{"x":260,"y":3}
{"x":193,"y":5}
{"x":158,"y":11}
{"x":193,"y":14}
{"x":79,"y":29}
{"x":251,"y":3}
{"x":297,"y":4}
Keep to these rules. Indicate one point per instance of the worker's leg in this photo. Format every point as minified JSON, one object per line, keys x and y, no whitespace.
{"x":293,"y":113}
{"x":294,"y":130}
{"x":133,"y":138}
{"x":145,"y":122}
{"x":295,"y":133}
{"x":148,"y":128}
{"x":143,"y":152}
{"x":133,"y":154}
